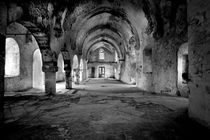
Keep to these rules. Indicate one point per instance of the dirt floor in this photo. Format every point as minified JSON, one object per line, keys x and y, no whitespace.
{"x":99,"y":109}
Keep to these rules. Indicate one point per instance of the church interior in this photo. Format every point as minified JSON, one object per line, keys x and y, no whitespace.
{"x":105,"y":69}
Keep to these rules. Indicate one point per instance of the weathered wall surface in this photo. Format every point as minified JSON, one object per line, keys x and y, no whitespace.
{"x":27,"y":45}
{"x":165,"y":67}
{"x":108,"y":56}
{"x":167,"y":21}
{"x":144,"y":67}
{"x":128,"y":66}
{"x":199,"y":56}
{"x":3,"y":25}
{"x":128,"y":70}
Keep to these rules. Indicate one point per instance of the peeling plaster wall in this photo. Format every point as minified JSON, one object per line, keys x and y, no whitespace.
{"x":128,"y":66}
{"x":144,"y":69}
{"x":167,"y":22}
{"x":165,"y":67}
{"x":199,"y":64}
{"x":27,"y":45}
{"x":128,"y":71}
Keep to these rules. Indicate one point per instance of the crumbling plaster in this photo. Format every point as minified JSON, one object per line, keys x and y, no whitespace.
{"x":199,"y":64}
{"x":27,"y":45}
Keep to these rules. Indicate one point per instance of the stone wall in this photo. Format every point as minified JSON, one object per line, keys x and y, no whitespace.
{"x":165,"y":67}
{"x":144,"y":69}
{"x":60,"y":74}
{"x":108,"y":63}
{"x":109,"y":69}
{"x":167,"y":23}
{"x":27,"y":46}
{"x":108,"y":56}
{"x":199,"y":56}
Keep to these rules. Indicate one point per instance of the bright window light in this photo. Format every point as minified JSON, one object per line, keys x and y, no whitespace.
{"x":12,"y":61}
{"x":101,"y":54}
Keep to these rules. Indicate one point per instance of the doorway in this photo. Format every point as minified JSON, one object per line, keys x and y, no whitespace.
{"x":92,"y":72}
{"x":101,"y":72}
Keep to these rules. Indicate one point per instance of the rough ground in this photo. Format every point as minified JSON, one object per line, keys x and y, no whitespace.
{"x":102,"y":109}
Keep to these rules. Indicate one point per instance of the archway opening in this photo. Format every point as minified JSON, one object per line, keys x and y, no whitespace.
{"x":38,"y":74}
{"x":60,"y":74}
{"x":75,"y":70}
{"x":12,"y":58}
{"x":182,"y":69}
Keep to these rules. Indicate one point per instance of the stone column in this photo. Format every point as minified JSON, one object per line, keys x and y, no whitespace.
{"x":77,"y":76}
{"x":50,"y":79}
{"x":68,"y":79}
{"x":84,"y":70}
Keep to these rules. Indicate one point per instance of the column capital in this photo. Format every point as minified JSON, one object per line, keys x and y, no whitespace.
{"x":47,"y":68}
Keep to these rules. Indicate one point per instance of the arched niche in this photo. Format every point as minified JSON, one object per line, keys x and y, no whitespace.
{"x":12,"y":58}
{"x":38,"y":74}
{"x":60,"y":74}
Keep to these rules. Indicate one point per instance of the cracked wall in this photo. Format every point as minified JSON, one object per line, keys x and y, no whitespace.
{"x":199,"y":56}
{"x":167,"y":22}
{"x":27,"y":45}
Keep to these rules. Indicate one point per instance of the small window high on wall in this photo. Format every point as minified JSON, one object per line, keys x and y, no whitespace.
{"x":101,"y":54}
{"x":12,"y":58}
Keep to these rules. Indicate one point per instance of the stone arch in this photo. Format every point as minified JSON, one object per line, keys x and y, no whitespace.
{"x":107,"y":40}
{"x":48,"y":56}
{"x":119,"y":13}
{"x":27,"y":45}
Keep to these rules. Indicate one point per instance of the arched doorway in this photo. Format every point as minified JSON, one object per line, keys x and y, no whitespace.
{"x":38,"y":75}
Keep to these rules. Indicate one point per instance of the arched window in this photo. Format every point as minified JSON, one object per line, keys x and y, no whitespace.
{"x":12,"y":61}
{"x":101,"y":54}
{"x":38,"y":74}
